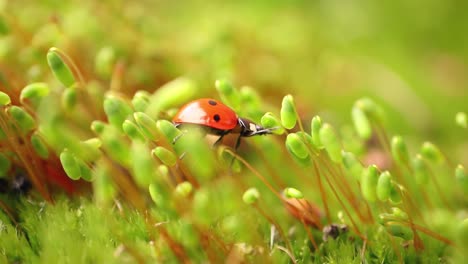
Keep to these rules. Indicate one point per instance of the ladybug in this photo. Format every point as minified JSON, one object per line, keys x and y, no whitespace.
{"x":217,"y":119}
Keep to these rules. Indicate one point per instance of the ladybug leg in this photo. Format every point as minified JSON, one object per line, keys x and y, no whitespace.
{"x":238,"y":141}
{"x":222,"y":134}
{"x":218,"y":140}
{"x":174,"y":140}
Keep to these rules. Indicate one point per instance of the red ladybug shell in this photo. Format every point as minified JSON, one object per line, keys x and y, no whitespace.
{"x":207,"y":112}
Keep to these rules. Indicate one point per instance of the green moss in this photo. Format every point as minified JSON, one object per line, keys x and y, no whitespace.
{"x":124,"y":87}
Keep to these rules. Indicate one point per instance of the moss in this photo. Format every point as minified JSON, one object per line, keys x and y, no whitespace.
{"x":325,"y":64}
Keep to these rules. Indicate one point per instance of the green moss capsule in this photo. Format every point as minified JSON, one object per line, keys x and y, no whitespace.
{"x":399,"y":150}
{"x":431,"y":152}
{"x":104,"y":62}
{"x":352,"y":165}
{"x":301,"y":161}
{"x":132,"y":130}
{"x":89,"y":150}
{"x":69,"y":98}
{"x":140,"y":100}
{"x":117,"y":110}
{"x":461,"y":178}
{"x":421,"y":171}
{"x":251,"y":196}
{"x":270,"y":121}
{"x":399,"y":214}
{"x":369,"y":182}
{"x":370,"y":108}
{"x":397,"y":230}
{"x":23,"y":119}
{"x":160,"y":195}
{"x":461,"y":120}
{"x":70,"y":165}
{"x":34,"y":91}
{"x":199,"y":156}
{"x":166,"y":156}
{"x":4,"y":99}
{"x":39,"y":146}
{"x":94,"y":143}
{"x":331,"y":142}
{"x":116,"y":146}
{"x":143,"y":166}
{"x":229,"y":95}
{"x":85,"y":170}
{"x":163,"y":171}
{"x":251,"y":101}
{"x":148,"y":126}
{"x":103,"y":185}
{"x":184,"y":189}
{"x":396,"y":215}
{"x":296,"y":145}
{"x":384,"y":186}
{"x":315,"y":126}
{"x":288,"y":112}
{"x":293,"y":193}
{"x":361,"y":122}
{"x":168,"y":129}
{"x":155,"y":194}
{"x":98,"y":126}
{"x":395,"y":194}
{"x":59,"y":68}
{"x":171,"y":94}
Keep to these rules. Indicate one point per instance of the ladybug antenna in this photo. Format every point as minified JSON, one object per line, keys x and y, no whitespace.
{"x":269,"y":130}
{"x":249,"y":128}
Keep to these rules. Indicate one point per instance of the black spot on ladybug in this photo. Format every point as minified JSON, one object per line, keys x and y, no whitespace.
{"x":212,"y":102}
{"x":216,"y":118}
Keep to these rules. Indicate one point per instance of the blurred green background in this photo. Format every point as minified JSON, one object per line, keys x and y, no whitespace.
{"x":411,"y":56}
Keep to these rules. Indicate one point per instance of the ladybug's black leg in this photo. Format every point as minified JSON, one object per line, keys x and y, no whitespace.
{"x":174,"y":140}
{"x":238,"y":141}
{"x":218,"y":141}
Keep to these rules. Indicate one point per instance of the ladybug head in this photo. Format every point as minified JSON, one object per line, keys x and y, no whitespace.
{"x":249,"y":128}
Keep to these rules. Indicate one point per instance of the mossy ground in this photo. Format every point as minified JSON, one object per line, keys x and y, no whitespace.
{"x":100,"y":102}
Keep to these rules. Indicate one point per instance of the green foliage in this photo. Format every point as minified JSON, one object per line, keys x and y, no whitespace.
{"x":141,"y":190}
